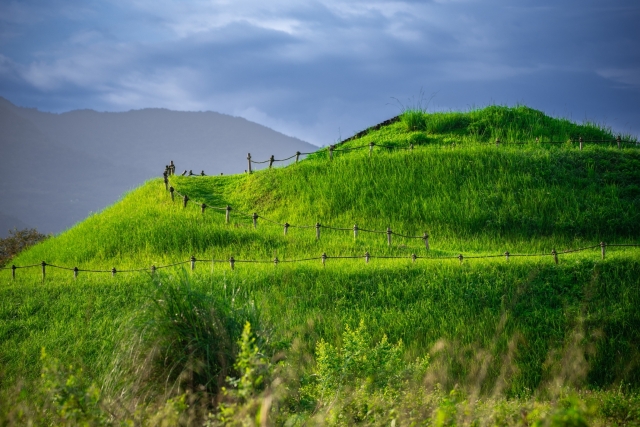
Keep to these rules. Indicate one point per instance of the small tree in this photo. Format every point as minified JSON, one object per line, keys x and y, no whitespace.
{"x":17,"y":241}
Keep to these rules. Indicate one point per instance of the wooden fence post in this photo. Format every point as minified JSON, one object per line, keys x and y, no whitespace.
{"x":366,"y":257}
{"x":171,"y":190}
{"x":185,"y":199}
{"x":411,"y":147}
{"x":297,"y":156}
{"x":324,"y":258}
{"x":172,"y":168}
{"x":153,"y":270}
{"x":580,"y":140}
{"x":555,"y":256}
{"x":286,"y":227}
{"x":227,"y":215}
{"x":603,"y":248}
{"x":331,"y":152}
{"x":389,"y":232}
{"x":184,"y":173}
{"x":75,"y":272}
{"x":371,"y":144}
{"x":113,"y":272}
{"x":166,"y":180}
{"x":13,"y":272}
{"x":202,"y":208}
{"x":255,"y":220}
{"x":44,"y":270}
{"x":460,"y":258}
{"x":497,"y":142}
{"x":271,"y":160}
{"x":249,"y":160}
{"x":202,"y":173}
{"x":355,"y":231}
{"x":318,"y":230}
{"x":618,"y":140}
{"x":275,"y":261}
{"x":425,"y":237}
{"x":413,"y":258}
{"x":506,"y":255}
{"x":193,"y":263}
{"x":232,"y":262}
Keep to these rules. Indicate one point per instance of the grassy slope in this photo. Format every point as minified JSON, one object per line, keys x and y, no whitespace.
{"x":471,"y":198}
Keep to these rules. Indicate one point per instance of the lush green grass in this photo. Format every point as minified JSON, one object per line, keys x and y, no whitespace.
{"x":481,"y":200}
{"x":507,"y":124}
{"x":471,"y":198}
{"x":418,"y":303}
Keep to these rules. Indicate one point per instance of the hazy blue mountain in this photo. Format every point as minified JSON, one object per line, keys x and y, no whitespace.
{"x":57,"y":168}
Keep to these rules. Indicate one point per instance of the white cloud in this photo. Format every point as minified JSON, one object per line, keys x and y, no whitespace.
{"x":168,"y":88}
{"x":8,"y":68}
{"x":627,"y":76}
{"x":85,"y":68}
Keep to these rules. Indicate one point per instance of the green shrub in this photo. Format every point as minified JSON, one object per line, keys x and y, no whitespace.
{"x":241,"y":400}
{"x":70,"y":398}
{"x":17,"y":241}
{"x":358,"y":360}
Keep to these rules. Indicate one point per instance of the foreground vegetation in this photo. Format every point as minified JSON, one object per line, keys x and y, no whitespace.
{"x":488,"y":341}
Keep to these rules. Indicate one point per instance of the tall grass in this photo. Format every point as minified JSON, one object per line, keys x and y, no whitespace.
{"x":508,"y":124}
{"x":419,"y":304}
{"x":471,"y":198}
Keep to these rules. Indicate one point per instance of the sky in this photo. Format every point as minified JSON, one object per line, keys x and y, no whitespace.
{"x":323,"y":70}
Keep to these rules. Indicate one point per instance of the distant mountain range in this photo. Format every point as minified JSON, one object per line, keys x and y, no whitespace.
{"x":58,"y":168}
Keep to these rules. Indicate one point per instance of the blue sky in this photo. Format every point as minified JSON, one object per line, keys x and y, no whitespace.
{"x":321,"y":70}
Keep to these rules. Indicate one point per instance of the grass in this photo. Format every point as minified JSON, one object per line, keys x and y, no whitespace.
{"x":472,"y":198}
{"x":507,"y":124}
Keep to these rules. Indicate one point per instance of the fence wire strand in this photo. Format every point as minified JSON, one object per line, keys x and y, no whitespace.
{"x":282,"y":224}
{"x":324,"y":257}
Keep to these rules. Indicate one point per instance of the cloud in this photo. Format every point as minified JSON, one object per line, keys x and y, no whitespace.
{"x":167,"y":88}
{"x":9,"y":69}
{"x":626,"y":76}
{"x":318,"y":68}
{"x":89,"y":68}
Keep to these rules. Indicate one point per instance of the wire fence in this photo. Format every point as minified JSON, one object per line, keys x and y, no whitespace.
{"x":323,"y":258}
{"x":285,"y":225}
{"x":331,"y":149}
{"x":171,"y":170}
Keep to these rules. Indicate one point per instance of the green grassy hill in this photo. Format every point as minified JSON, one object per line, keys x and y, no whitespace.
{"x":472,"y":198}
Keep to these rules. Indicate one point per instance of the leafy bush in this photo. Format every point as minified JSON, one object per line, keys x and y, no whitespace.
{"x":17,"y":241}
{"x":72,"y":400}
{"x":241,"y":403}
{"x":358,"y":360}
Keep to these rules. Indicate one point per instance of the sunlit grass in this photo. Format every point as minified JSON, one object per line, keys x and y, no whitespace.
{"x":472,"y":198}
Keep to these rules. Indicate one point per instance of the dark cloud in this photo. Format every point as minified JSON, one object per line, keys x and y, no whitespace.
{"x":323,"y":69}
